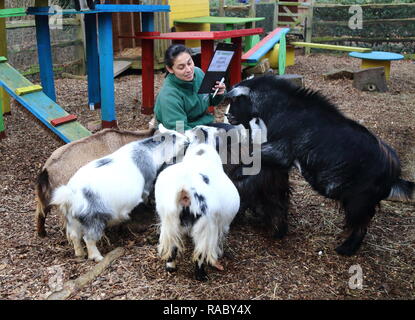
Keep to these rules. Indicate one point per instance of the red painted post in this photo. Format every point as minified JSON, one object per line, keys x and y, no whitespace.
{"x":206,"y":53}
{"x":147,"y":76}
{"x":236,"y":64}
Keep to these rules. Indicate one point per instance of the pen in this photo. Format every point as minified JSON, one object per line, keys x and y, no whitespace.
{"x":216,"y":91}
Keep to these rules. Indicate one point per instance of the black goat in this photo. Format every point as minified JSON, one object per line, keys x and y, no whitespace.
{"x":339,"y":158}
{"x":266,"y":193}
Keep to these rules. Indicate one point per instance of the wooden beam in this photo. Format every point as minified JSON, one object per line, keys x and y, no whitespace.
{"x":329,"y":47}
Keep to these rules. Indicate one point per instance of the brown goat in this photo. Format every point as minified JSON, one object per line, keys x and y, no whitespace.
{"x":66,"y":160}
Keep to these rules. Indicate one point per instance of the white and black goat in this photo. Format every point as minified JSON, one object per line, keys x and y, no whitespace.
{"x":195,"y":197}
{"x":340,"y":158}
{"x":69,"y":158}
{"x":106,"y":190}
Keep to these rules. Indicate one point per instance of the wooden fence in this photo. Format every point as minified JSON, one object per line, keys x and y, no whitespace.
{"x":384,"y":27}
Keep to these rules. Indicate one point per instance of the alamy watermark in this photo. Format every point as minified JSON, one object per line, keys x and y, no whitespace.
{"x":56,"y":280}
{"x":356,"y":20}
{"x":234,"y":145}
{"x":56,"y":20}
{"x":356,"y":280}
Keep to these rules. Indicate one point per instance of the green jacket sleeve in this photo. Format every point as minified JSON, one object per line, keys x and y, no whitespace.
{"x":171,"y":111}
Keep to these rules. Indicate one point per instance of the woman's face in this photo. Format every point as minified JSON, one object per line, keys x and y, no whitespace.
{"x":183,"y":67}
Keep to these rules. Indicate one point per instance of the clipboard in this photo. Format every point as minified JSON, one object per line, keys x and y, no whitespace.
{"x":218,"y":66}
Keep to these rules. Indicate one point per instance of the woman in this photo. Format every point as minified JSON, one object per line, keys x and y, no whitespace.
{"x":178,"y":99}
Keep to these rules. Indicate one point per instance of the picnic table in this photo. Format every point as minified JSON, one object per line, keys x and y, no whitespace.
{"x":207,"y":39}
{"x":231,"y":23}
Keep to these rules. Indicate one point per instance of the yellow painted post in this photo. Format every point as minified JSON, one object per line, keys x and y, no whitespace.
{"x":4,"y":97}
{"x":272,"y":56}
{"x":377,"y":63}
{"x":290,"y":57}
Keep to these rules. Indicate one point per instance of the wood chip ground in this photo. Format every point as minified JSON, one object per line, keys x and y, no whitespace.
{"x":302,"y":266}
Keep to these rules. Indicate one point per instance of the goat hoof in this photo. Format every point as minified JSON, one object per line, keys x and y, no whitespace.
{"x":281,"y":232}
{"x":200,"y":273}
{"x":97,"y":258}
{"x":202,"y":277}
{"x":171,"y":269}
{"x":345,"y":251}
{"x":41,"y":233}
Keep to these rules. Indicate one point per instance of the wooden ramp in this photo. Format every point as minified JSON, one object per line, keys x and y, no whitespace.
{"x":120,"y":66}
{"x":39,"y":104}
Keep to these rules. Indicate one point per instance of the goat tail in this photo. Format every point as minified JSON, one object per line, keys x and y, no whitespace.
{"x":403,"y":190}
{"x":43,"y":195}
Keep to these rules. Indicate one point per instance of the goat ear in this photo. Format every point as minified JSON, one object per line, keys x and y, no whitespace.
{"x":238,"y":91}
{"x":162,"y":129}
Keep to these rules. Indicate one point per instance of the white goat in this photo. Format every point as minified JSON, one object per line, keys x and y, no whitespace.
{"x":104,"y":191}
{"x":195,"y":197}
{"x":69,"y":158}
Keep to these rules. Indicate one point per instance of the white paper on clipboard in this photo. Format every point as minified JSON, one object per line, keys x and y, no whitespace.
{"x":220,"y":61}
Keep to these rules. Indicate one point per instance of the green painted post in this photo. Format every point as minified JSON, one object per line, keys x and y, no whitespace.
{"x":282,"y":52}
{"x":4,"y":97}
{"x":2,"y":131}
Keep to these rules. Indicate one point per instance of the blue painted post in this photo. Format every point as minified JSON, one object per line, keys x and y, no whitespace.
{"x":147,"y":21}
{"x":92,"y":59}
{"x":44,"y":51}
{"x":106,"y":74}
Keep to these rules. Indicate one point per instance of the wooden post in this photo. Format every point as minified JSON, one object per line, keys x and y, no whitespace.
{"x":106,"y":74}
{"x":221,"y":8}
{"x":309,"y":25}
{"x":44,"y":50}
{"x":251,"y":12}
{"x":80,"y":51}
{"x":4,"y":97}
{"x":236,"y":65}
{"x":92,"y":60}
{"x":275,"y":21}
{"x":147,"y":58}
{"x":207,"y":49}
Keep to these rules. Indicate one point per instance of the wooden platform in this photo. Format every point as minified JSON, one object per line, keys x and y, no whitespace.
{"x":40,"y":105}
{"x":120,"y":66}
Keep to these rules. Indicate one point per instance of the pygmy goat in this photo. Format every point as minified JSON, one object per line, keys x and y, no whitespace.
{"x":104,"y":191}
{"x":195,"y":197}
{"x":69,"y":158}
{"x":340,"y":158}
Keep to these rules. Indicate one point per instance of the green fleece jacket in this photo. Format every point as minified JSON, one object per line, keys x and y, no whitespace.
{"x":178,"y":100}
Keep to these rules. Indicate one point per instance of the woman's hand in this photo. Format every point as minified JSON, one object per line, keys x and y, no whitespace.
{"x":220,"y":86}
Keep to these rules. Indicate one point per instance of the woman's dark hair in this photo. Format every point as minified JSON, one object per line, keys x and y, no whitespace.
{"x":172,"y":52}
